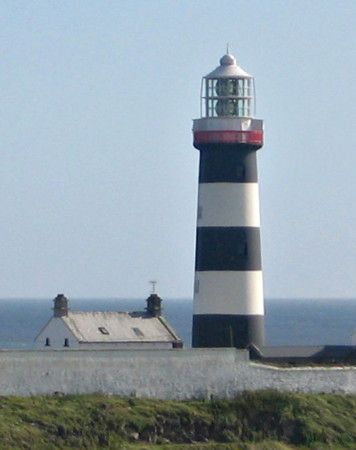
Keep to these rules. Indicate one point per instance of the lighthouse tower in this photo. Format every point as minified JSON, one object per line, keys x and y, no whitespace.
{"x":228,"y":289}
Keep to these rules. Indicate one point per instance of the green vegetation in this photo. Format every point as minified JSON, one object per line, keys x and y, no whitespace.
{"x":265,"y":420}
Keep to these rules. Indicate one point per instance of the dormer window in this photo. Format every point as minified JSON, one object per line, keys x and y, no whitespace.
{"x":103,"y":330}
{"x":138,"y":332}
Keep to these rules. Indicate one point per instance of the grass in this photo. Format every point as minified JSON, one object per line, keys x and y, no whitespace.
{"x":265,"y":420}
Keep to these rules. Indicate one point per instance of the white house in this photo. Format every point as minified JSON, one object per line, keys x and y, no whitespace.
{"x":68,"y":329}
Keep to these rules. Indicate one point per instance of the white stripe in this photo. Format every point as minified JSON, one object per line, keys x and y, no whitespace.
{"x":228,"y":292}
{"x":228,"y":205}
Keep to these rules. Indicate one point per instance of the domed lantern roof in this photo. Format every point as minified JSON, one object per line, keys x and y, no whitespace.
{"x":228,"y":69}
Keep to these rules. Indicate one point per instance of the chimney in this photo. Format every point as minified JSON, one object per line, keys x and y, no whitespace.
{"x":60,"y":306}
{"x":154,"y":305}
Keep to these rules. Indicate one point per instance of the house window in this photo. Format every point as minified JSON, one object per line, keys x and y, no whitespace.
{"x":103,"y":330}
{"x":66,"y":342}
{"x":138,"y":332}
{"x":48,"y":342}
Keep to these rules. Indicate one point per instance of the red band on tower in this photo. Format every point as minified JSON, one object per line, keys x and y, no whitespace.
{"x":229,"y":137}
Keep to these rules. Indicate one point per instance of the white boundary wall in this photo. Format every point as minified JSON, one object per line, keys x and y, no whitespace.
{"x":170,"y":374}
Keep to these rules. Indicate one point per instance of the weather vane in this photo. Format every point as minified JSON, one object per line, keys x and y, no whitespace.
{"x":153,"y":283}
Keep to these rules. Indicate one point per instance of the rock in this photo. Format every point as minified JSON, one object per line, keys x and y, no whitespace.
{"x":134,"y":436}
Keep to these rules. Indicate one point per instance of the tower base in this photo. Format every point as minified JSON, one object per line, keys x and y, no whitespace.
{"x":227,"y":330}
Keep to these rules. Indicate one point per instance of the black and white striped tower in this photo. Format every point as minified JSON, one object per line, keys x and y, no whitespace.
{"x":228,"y":290}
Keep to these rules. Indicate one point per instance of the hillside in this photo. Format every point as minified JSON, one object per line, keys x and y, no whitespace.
{"x":264,"y":420}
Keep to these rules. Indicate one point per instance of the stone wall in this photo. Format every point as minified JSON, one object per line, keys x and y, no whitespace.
{"x":179,"y":374}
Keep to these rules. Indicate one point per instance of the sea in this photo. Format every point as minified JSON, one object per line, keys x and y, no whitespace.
{"x":287,"y":322}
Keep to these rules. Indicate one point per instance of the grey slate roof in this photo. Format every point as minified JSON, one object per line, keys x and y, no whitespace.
{"x":295,"y":351}
{"x":119,"y":327}
{"x":318,"y":354}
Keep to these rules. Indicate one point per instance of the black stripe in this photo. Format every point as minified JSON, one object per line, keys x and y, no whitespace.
{"x":229,"y":164}
{"x":227,"y":330}
{"x":228,"y":248}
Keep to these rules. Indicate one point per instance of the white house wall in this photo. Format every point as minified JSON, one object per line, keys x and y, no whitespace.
{"x":57,"y":332}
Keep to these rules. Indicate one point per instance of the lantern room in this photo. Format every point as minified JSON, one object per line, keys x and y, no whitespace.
{"x":228,"y":91}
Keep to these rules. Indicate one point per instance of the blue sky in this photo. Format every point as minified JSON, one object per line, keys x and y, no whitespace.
{"x":98,"y":176}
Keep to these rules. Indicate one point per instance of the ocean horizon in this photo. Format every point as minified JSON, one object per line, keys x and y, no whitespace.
{"x":287,"y":321}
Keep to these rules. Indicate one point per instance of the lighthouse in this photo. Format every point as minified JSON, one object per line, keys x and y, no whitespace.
{"x":228,"y":290}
